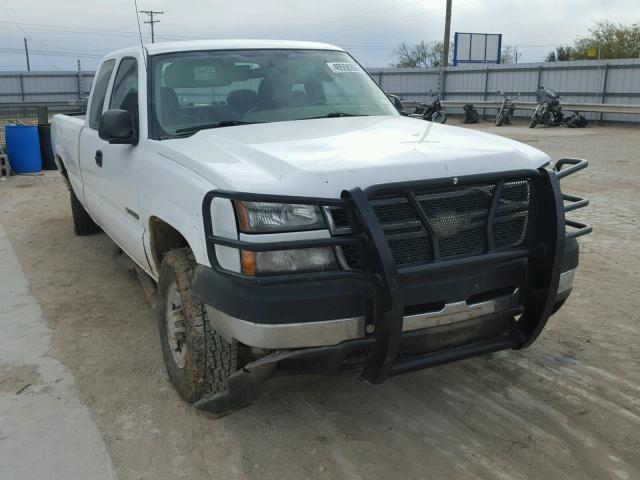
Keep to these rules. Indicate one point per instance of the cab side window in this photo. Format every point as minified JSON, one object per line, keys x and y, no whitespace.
{"x":99,"y":92}
{"x":124,"y":94}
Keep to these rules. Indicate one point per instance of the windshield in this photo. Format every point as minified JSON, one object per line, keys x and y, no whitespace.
{"x":197,"y":90}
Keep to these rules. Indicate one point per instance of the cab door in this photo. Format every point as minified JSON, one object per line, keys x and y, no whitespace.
{"x":118,"y":174}
{"x":90,"y":145}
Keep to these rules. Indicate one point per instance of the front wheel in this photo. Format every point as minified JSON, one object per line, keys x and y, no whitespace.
{"x":500,"y":118}
{"x":439,"y":117}
{"x":535,"y":118}
{"x":198,"y":360}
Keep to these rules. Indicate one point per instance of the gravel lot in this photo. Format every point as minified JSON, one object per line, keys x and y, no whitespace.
{"x":568,"y":407}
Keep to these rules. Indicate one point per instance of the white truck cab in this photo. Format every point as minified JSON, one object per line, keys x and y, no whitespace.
{"x":294,"y":222}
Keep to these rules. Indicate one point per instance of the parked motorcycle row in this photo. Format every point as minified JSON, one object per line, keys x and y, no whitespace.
{"x":547,"y":111}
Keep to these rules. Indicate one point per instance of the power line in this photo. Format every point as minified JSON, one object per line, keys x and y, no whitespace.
{"x":151,"y":21}
{"x":72,"y":30}
{"x":17,"y":51}
{"x":415,"y":16}
{"x":27,"y":36}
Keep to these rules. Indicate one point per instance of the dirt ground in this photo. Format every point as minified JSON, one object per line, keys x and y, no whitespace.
{"x":567,"y":408}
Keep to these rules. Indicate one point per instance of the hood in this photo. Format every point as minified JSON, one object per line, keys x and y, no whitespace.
{"x":322,"y":157}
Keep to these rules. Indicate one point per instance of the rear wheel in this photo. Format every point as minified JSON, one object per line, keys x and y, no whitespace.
{"x":198,"y":360}
{"x":83,"y":224}
{"x":439,"y":117}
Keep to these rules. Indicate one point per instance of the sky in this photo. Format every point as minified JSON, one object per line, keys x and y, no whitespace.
{"x":60,"y":32}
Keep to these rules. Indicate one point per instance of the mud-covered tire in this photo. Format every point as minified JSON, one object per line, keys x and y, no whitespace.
{"x":83,"y":224}
{"x":209,"y":359}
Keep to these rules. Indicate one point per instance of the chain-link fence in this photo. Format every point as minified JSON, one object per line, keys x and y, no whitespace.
{"x":28,"y":113}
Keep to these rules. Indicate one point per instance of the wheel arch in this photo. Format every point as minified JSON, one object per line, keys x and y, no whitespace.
{"x":63,"y":170}
{"x":164,"y":237}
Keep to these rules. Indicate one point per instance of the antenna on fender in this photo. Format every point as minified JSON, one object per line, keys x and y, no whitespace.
{"x":144,"y":50}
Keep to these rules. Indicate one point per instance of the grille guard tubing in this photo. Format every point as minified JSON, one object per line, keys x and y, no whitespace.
{"x":380,"y":269}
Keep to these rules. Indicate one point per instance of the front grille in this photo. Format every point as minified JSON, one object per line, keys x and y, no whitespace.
{"x":405,"y":233}
{"x":458,"y":218}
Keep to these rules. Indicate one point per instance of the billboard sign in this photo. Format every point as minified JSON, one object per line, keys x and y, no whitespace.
{"x":477,"y":48}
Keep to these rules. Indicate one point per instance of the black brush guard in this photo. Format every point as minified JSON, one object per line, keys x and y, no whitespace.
{"x":386,"y":312}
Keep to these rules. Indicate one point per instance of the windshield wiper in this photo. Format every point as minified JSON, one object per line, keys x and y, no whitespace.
{"x":337,"y":115}
{"x":204,"y":126}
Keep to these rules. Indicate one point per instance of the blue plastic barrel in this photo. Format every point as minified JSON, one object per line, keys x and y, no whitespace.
{"x":23,"y":148}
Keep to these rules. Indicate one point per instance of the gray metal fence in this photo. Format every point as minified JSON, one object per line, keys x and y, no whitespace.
{"x":585,"y":81}
{"x":44,"y":87}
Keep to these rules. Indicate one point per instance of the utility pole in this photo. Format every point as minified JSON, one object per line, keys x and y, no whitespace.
{"x":79,"y":81}
{"x":447,"y":34}
{"x":151,"y":21}
{"x":26,"y":52}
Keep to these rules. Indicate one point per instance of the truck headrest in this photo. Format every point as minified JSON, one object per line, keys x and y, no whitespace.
{"x":198,"y":73}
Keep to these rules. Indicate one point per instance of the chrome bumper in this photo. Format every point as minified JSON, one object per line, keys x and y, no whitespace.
{"x":332,"y":332}
{"x":566,"y":281}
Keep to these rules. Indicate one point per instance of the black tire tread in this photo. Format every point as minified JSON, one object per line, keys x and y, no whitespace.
{"x":441,"y":114}
{"x":83,"y":224}
{"x":211,"y":358}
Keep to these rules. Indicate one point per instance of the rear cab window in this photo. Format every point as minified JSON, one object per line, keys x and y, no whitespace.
{"x":99,"y":93}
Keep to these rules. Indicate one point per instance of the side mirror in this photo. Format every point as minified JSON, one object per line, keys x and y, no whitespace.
{"x":116,"y":127}
{"x":397,"y":103}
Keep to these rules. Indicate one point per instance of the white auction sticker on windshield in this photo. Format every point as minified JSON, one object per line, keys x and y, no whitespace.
{"x":338,"y":67}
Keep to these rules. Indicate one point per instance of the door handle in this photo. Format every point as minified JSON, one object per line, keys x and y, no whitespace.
{"x":98,"y":158}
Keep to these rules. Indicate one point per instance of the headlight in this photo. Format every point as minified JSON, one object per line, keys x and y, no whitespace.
{"x":285,"y":218}
{"x":263,"y":217}
{"x":288,"y":261}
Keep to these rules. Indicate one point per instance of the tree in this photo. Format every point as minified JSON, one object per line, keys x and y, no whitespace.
{"x":509,"y":54}
{"x":605,"y":40}
{"x":560,"y":54}
{"x":419,"y":55}
{"x":613,"y":40}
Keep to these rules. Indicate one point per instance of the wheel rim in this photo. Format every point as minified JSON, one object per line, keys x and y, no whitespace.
{"x":176,"y":330}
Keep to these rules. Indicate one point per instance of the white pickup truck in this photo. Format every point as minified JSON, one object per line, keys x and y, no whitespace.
{"x":294,"y":221}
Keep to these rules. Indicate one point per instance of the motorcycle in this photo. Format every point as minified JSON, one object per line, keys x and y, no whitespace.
{"x":432,"y":112}
{"x":548,"y":111}
{"x":505,"y":112}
